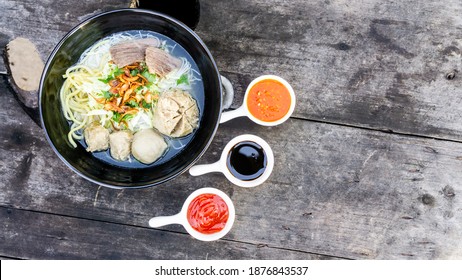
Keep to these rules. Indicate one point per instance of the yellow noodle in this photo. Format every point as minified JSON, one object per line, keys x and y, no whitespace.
{"x":74,"y":100}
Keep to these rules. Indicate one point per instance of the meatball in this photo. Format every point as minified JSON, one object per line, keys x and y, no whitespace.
{"x":96,"y":137}
{"x":148,"y":146}
{"x":120,"y":143}
{"x":176,"y":114}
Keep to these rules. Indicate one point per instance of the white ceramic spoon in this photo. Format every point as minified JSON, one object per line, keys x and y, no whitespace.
{"x":221,"y":165}
{"x":182,"y":217}
{"x":243,"y":111}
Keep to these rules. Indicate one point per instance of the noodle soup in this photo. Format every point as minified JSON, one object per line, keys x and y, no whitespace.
{"x":102,"y":96}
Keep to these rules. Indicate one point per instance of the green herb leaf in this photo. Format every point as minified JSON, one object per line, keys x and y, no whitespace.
{"x":114,"y":73}
{"x":183,"y":80}
{"x":127,"y":117}
{"x":150,"y":77}
{"x":139,"y":89}
{"x":145,"y":104}
{"x":107,"y":95}
{"x":116,"y":117}
{"x":117,"y":72}
{"x":107,"y":79}
{"x":134,"y":72}
{"x":132,"y":103}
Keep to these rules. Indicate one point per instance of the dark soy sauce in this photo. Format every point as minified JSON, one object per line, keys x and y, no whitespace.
{"x":246,"y":161}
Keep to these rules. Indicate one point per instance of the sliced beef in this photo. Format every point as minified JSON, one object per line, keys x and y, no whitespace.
{"x":160,"y":62}
{"x":129,"y":52}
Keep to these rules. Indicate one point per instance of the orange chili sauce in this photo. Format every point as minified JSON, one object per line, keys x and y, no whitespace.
{"x":208,"y":213}
{"x":268,"y":100}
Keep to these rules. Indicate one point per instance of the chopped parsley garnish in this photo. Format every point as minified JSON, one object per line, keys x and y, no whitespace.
{"x":127,"y":117}
{"x":132,"y":103}
{"x":134,"y":72}
{"x":117,"y":72}
{"x":150,"y":77}
{"x":107,"y":95}
{"x":183,"y":80}
{"x":116,"y":117}
{"x":145,"y":104}
{"x":139,"y":89}
{"x":114,"y":73}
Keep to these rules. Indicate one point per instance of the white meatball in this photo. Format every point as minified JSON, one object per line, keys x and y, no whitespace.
{"x":96,"y":137}
{"x":148,"y":146}
{"x":120,"y":143}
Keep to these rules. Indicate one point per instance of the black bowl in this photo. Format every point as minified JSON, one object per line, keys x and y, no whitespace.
{"x":67,"y":53}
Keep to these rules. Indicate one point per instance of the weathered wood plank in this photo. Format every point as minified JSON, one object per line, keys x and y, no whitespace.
{"x":29,"y":235}
{"x":29,"y":168}
{"x":45,"y":22}
{"x":353,"y":193}
{"x":3,"y":42}
{"x":373,"y":63}
{"x":376,"y":64}
{"x":335,"y":190}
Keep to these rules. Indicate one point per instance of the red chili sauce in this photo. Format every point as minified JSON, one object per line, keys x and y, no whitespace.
{"x":208,"y":213}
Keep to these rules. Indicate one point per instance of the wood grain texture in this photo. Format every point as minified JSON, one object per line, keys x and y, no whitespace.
{"x":3,"y":42}
{"x":71,"y":218}
{"x":28,"y":234}
{"x":45,"y":22}
{"x":376,"y":64}
{"x":373,"y":63}
{"x":335,"y":191}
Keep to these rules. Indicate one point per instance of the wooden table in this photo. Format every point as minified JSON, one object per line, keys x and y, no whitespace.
{"x":368,"y":167}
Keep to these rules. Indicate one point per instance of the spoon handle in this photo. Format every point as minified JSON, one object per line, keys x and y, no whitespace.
{"x":229,"y":115}
{"x":202,"y":169}
{"x":165,"y":220}
{"x":228,"y":93}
